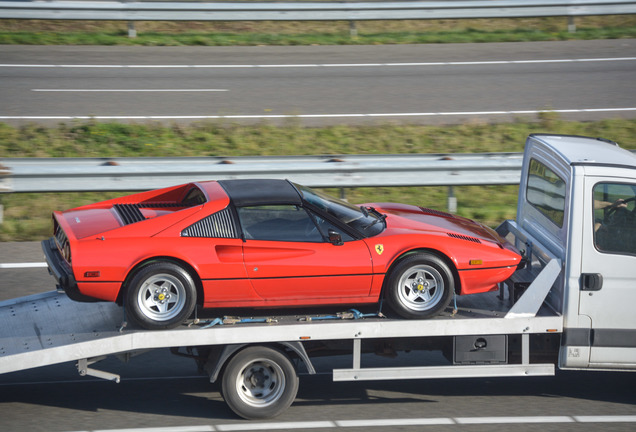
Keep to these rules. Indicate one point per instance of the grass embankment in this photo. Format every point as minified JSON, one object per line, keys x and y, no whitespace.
{"x":27,"y":216}
{"x":37,"y":32}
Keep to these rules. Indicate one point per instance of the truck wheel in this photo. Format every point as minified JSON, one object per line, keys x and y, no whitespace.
{"x":161,"y":296}
{"x":259,"y":382}
{"x":420,"y":286}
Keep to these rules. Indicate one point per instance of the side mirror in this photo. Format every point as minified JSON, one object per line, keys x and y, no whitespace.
{"x":335,"y":238}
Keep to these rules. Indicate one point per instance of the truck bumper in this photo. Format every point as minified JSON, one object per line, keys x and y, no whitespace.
{"x":62,"y":272}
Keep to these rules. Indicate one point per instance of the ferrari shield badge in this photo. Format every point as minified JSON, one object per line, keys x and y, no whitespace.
{"x":379,"y":248}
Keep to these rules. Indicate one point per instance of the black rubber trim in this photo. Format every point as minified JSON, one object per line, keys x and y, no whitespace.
{"x":601,"y":338}
{"x":577,"y":337}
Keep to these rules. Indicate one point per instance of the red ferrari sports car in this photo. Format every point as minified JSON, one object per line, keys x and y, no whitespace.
{"x":268,"y":243}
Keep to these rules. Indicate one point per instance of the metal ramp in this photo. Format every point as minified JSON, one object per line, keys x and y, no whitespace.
{"x":37,"y":330}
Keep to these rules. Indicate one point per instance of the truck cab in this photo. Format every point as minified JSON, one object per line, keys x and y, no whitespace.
{"x":577,"y":198}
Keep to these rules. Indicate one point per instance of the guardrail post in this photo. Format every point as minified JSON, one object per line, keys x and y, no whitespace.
{"x":132,"y":32}
{"x":353,"y":30}
{"x":571,"y":25}
{"x":452,"y":200}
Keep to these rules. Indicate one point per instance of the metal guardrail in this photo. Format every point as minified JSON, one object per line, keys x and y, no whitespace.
{"x":309,"y":11}
{"x":344,"y":171}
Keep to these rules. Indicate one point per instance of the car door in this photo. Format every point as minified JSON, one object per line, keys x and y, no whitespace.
{"x":289,"y":260}
{"x":607,"y":287}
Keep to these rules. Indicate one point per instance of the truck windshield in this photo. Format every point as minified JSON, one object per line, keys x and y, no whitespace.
{"x":368,"y":223}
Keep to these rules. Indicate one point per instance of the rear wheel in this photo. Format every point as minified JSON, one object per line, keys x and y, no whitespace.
{"x":161,"y":296}
{"x":259,"y":382}
{"x":420,"y":286}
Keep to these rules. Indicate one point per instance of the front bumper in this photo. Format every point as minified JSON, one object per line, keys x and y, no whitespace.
{"x":62,"y":271}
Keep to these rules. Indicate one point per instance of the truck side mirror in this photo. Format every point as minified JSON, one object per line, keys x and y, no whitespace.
{"x":335,"y":238}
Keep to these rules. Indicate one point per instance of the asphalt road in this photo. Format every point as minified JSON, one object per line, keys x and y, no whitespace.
{"x":322,"y":84}
{"x":160,"y":392}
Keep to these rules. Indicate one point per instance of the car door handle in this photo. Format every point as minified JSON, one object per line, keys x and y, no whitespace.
{"x":591,"y":281}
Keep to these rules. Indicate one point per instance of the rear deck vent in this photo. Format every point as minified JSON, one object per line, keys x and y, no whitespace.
{"x":129,"y":213}
{"x":159,"y":205}
{"x":463,"y":237}
{"x":218,"y":225}
{"x":436,"y":212}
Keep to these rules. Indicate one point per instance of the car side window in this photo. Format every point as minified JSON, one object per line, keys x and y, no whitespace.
{"x":615,"y":218}
{"x":289,"y":223}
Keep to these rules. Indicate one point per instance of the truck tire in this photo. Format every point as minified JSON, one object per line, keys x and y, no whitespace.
{"x":161,"y":296}
{"x":259,"y":382}
{"x":419,"y":286}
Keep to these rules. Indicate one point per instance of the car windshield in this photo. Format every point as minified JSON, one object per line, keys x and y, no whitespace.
{"x":367,"y":222}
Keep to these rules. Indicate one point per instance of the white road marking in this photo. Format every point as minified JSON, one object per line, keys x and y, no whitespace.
{"x":129,"y":90}
{"x":22,"y":265}
{"x":271,"y":426}
{"x":396,"y":422}
{"x":605,"y":419}
{"x":514,"y":420}
{"x":311,"y":116}
{"x":204,"y":428}
{"x":337,"y":424}
{"x":316,"y":65}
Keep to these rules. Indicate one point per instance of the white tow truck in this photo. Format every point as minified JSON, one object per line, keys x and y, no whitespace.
{"x":571,"y":306}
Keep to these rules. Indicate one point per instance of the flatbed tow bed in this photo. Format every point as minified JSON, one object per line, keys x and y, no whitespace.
{"x":49,"y":328}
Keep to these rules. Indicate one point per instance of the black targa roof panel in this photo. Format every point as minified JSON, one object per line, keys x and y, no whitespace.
{"x":249,"y":192}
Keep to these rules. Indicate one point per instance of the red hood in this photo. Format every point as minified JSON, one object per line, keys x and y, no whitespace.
{"x":419,"y":218}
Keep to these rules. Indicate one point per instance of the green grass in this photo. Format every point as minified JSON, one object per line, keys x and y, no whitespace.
{"x":33,"y":32}
{"x":253,"y":39}
{"x":27,"y":216}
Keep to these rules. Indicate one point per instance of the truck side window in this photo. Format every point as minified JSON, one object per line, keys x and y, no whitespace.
{"x":615,"y":218}
{"x":546,"y":192}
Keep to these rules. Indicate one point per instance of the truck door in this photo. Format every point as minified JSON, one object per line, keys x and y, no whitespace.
{"x":608,"y":271}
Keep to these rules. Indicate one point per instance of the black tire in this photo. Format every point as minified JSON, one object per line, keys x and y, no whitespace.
{"x":161,"y":296}
{"x":259,"y":382}
{"x":419,"y":286}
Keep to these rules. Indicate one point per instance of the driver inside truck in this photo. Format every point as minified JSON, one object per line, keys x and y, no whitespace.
{"x":614,"y":223}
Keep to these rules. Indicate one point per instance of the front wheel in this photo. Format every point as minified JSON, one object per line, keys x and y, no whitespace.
{"x":420,"y":286}
{"x":161,"y":296}
{"x":259,"y":382}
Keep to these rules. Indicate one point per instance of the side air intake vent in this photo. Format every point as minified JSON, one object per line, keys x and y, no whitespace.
{"x":218,"y":225}
{"x":463,"y":237}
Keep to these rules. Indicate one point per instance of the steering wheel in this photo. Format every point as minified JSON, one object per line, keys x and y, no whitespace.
{"x":613,"y":210}
{"x":619,"y":215}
